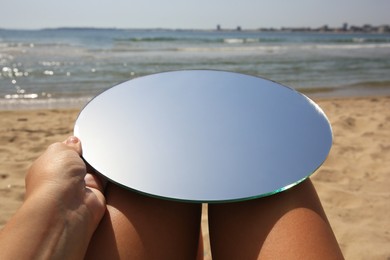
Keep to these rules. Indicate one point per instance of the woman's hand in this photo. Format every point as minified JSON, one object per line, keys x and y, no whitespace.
{"x":63,"y":206}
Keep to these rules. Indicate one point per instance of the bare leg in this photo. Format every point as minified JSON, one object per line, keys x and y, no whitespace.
{"x":140,"y":227}
{"x":288,"y":225}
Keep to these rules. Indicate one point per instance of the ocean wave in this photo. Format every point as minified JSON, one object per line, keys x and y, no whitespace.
{"x":234,"y":40}
{"x":275,"y":49}
{"x":355,"y":39}
{"x":347,"y":46}
{"x":235,"y":49}
{"x":259,"y":39}
{"x":168,"y":39}
{"x":200,"y":39}
{"x":148,"y":39}
{"x":253,"y":40}
{"x":21,"y":96}
{"x":5,"y":44}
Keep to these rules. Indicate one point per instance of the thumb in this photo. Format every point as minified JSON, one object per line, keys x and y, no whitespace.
{"x":74,"y":143}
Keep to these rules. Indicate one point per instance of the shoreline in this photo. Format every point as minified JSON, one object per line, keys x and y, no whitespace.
{"x":352,"y":91}
{"x":352,"y":183}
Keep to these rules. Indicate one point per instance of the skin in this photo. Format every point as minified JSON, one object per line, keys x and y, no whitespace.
{"x":70,"y":214}
{"x":140,"y":227}
{"x":288,"y":225}
{"x":62,"y":208}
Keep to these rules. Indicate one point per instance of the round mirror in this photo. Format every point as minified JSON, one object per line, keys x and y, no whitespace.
{"x":203,"y":136}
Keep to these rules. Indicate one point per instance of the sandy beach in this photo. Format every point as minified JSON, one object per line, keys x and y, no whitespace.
{"x":353,"y":183}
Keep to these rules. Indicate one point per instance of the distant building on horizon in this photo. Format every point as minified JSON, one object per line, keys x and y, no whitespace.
{"x":345,"y":27}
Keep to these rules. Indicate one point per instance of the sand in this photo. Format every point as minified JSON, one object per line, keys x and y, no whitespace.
{"x":353,"y":183}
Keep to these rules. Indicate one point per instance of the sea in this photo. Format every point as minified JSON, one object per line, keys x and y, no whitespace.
{"x":66,"y":67}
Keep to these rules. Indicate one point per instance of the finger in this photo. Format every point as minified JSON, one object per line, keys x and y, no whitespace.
{"x":97,"y":205}
{"x":94,"y":181}
{"x":94,"y":172}
{"x":74,"y":143}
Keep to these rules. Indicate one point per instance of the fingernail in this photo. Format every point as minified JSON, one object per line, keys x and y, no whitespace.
{"x":72,"y":140}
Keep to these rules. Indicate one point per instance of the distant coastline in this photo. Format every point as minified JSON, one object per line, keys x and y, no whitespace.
{"x":367,"y":28}
{"x":344,"y":28}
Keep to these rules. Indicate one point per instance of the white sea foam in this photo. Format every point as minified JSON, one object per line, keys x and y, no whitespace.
{"x":21,"y":96}
{"x":234,"y":40}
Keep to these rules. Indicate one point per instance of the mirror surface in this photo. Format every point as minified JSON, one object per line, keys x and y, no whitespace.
{"x":203,"y":136}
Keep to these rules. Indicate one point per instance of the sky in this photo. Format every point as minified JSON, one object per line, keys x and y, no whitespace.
{"x":196,"y":14}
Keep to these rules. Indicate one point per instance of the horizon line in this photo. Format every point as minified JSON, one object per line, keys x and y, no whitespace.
{"x":217,"y":27}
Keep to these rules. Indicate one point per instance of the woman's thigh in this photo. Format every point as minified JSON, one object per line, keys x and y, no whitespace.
{"x":288,"y":225}
{"x":140,"y":227}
